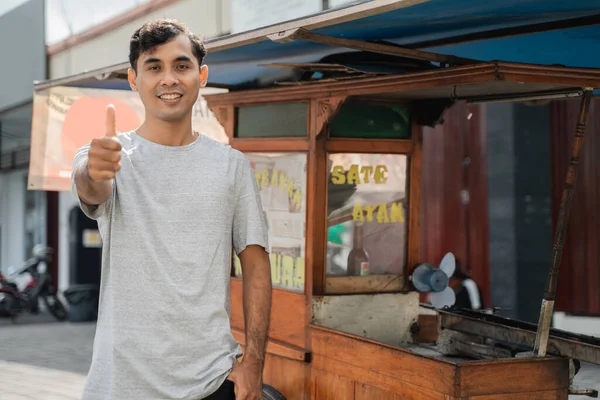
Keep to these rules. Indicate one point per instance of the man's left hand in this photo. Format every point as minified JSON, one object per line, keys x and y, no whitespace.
{"x":247,"y":377}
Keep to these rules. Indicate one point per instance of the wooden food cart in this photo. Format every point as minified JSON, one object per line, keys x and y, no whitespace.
{"x":336,"y":147}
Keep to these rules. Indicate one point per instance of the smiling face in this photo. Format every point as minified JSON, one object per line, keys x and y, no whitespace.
{"x":168,"y":79}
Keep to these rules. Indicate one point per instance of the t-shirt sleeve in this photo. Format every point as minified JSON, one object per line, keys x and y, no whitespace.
{"x":91,"y":211}
{"x":249,"y":221}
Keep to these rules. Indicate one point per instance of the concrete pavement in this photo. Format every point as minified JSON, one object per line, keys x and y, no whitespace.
{"x":43,"y":342}
{"x":27,"y":382}
{"x":41,"y":359}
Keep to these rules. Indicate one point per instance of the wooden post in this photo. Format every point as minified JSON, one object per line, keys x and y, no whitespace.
{"x":543,"y":329}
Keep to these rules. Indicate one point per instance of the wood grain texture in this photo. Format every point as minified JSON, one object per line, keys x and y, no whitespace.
{"x":276,"y":348}
{"x":291,"y":378}
{"x":326,"y":110}
{"x":364,"y":284}
{"x":477,"y":213}
{"x":393,"y":384}
{"x":537,"y":395}
{"x":428,"y":328}
{"x":384,"y":146}
{"x":367,"y":392}
{"x":513,"y":376}
{"x":316,"y":226}
{"x":225,"y":114}
{"x":270,"y":144}
{"x":383,"y":360}
{"x":328,"y":386}
{"x":463,"y":75}
{"x":484,"y":72}
{"x":414,"y":202}
{"x":288,"y":323}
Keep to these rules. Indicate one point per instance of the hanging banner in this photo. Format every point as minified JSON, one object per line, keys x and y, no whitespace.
{"x":66,"y":118}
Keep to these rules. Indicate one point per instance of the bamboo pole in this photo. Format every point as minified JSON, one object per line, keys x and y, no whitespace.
{"x":547,"y":309}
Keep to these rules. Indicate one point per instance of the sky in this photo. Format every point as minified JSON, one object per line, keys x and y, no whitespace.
{"x":64,"y":16}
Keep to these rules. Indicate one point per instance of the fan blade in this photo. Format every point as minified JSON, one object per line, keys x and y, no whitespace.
{"x":448,"y":264}
{"x":446,"y":297}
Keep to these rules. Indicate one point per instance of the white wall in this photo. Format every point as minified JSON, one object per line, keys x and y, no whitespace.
{"x":12,"y":218}
{"x":207,"y":17}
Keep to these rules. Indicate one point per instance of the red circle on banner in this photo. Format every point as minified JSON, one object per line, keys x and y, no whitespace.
{"x":86,"y":120}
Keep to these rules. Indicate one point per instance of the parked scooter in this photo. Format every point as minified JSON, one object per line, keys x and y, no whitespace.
{"x":15,"y":301}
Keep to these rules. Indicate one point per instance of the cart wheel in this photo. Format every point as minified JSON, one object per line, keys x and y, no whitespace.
{"x":270,"y":393}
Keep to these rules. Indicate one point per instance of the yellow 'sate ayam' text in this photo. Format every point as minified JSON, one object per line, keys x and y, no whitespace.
{"x":368,"y":174}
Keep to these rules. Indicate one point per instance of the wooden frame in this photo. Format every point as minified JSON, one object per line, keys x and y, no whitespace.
{"x":482,"y":73}
{"x":318,"y":145}
{"x":388,"y":282}
{"x":226,"y":115}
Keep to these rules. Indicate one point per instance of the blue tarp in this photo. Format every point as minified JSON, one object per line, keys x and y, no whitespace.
{"x":435,"y":20}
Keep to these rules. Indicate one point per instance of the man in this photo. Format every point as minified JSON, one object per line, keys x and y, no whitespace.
{"x":169,"y":203}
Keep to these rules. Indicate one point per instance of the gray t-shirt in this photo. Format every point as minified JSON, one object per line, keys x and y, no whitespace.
{"x":163,"y":328}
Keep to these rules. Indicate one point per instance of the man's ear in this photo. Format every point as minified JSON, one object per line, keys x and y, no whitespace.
{"x":203,"y":75}
{"x":131,"y":77}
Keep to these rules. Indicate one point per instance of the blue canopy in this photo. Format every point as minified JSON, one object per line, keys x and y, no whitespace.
{"x":442,"y":26}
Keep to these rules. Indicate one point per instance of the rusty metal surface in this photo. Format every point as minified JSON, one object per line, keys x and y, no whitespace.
{"x":521,"y":334}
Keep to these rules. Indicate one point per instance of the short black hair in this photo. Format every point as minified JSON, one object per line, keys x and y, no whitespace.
{"x":160,"y":31}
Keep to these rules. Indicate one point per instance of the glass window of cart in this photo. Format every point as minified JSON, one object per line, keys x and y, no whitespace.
{"x":281,"y":180}
{"x":367,"y":214}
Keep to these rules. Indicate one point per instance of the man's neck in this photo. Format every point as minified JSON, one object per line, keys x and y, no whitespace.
{"x":167,"y":133}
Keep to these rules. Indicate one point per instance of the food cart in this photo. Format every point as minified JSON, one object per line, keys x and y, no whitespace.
{"x":336,"y":146}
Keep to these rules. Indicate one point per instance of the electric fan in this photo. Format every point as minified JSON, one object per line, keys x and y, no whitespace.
{"x":428,"y":278}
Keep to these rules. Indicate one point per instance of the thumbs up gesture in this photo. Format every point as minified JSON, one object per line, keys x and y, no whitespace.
{"x":104,"y":155}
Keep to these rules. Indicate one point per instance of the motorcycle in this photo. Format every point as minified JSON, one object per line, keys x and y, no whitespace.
{"x":15,"y":301}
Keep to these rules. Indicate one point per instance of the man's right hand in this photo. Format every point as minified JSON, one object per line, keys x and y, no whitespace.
{"x":104,"y":155}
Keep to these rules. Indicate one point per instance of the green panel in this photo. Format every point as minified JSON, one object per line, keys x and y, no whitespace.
{"x":272,"y":120}
{"x":371,"y":120}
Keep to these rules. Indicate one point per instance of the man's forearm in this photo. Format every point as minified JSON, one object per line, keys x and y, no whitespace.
{"x":93,"y":193}
{"x":257,"y":307}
